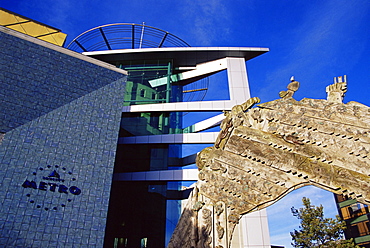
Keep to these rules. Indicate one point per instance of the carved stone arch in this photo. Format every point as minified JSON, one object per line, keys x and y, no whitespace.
{"x":265,"y":153}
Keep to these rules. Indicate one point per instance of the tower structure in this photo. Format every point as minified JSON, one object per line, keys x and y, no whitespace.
{"x":166,"y":79}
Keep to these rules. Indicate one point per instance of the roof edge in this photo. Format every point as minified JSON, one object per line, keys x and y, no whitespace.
{"x":60,"y":49}
{"x":179,"y":49}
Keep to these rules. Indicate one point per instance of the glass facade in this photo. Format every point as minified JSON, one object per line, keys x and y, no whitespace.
{"x":140,"y":89}
{"x":141,"y":212}
{"x":144,"y":209}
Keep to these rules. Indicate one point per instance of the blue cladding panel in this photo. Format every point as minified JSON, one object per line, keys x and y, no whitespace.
{"x":59,"y":114}
{"x":35,"y":80}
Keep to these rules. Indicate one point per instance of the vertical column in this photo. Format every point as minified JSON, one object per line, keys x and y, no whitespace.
{"x":253,"y":228}
{"x":238,"y":80}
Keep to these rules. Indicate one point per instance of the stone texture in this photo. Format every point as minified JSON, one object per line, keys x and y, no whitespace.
{"x":264,"y":153}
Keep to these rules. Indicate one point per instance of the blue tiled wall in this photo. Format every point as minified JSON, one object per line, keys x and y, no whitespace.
{"x":35,"y":80}
{"x":69,"y":124}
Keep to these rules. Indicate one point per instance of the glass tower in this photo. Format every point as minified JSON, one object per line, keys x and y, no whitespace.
{"x":166,"y":78}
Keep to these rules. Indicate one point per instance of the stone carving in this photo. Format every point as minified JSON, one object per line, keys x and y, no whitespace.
{"x":219,"y":208}
{"x":337,"y":90}
{"x":198,"y":205}
{"x":206,"y":238}
{"x":263,"y":153}
{"x":292,"y":87}
{"x":233,"y":118}
{"x":234,"y":219}
{"x":220,"y":230}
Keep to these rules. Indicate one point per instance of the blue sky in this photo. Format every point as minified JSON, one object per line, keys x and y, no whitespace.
{"x":313,"y":40}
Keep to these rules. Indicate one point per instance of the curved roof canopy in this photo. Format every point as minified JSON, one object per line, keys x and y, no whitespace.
{"x":127,"y":41}
{"x":124,"y":36}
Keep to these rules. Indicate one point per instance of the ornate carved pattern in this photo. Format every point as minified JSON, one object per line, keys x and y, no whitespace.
{"x":264,"y":153}
{"x":219,"y":209}
{"x":337,"y":90}
{"x":292,"y":87}
{"x":206,"y":238}
{"x":233,"y":118}
{"x":220,"y":230}
{"x":198,"y":205}
{"x":233,"y":219}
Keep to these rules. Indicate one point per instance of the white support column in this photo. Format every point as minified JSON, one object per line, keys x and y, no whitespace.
{"x":238,"y":80}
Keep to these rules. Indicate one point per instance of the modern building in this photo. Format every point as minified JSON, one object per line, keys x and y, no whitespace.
{"x":150,"y":170}
{"x":356,"y":216}
{"x":125,"y":109}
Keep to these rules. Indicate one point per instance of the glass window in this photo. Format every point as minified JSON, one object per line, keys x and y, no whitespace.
{"x":363,"y":228}
{"x":367,"y":223}
{"x":354,"y":231}
{"x":144,"y":242}
{"x":120,"y":243}
{"x":148,"y":79}
{"x":345,"y":213}
{"x":142,"y":92}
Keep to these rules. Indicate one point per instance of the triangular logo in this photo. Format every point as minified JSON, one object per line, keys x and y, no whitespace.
{"x":54,"y":174}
